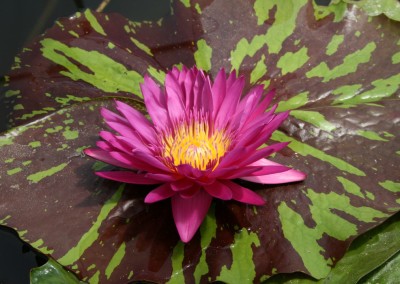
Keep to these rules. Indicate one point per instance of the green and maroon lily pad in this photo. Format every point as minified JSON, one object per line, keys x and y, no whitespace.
{"x":336,"y":68}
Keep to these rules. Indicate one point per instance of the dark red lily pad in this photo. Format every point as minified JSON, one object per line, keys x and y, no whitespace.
{"x":337,"y":71}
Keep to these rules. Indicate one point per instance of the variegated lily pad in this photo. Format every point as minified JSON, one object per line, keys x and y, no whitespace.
{"x":335,"y":68}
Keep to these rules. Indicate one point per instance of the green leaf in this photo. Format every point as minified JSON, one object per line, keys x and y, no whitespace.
{"x":52,"y":273}
{"x":390,"y":8}
{"x":365,"y":254}
{"x":387,"y":273}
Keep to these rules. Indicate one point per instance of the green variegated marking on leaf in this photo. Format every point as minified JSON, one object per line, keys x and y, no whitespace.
{"x":94,"y":23}
{"x":70,"y":134}
{"x":259,"y":70}
{"x":321,"y":210}
{"x":95,"y":278}
{"x":36,"y":177}
{"x":242,"y":269}
{"x":26,"y":163}
{"x":141,"y":46}
{"x":106,"y":74}
{"x":9,"y":160}
{"x":291,"y":61}
{"x":3,"y":221}
{"x":203,"y":55}
{"x":18,"y":107}
{"x":198,"y":8}
{"x":396,"y":58}
{"x":177,"y":260}
{"x":346,"y":92}
{"x":110,"y":45}
{"x":14,"y":171}
{"x":65,"y":101}
{"x":91,"y":236}
{"x":208,"y":232}
{"x":349,"y":65}
{"x":186,"y":3}
{"x":39,"y":246}
{"x":383,"y":88}
{"x":35,"y":113}
{"x":130,"y":275}
{"x":305,"y":240}
{"x":350,"y":186}
{"x":92,"y":266}
{"x":115,"y":260}
{"x":54,"y":129}
{"x":370,"y":195}
{"x":283,"y":27}
{"x":159,"y":75}
{"x":6,"y":140}
{"x":12,"y":93}
{"x":294,"y":102}
{"x":338,"y":10}
{"x":387,"y":134}
{"x":305,"y":150}
{"x":371,"y":135}
{"x":73,"y":33}
{"x":390,"y":185}
{"x":334,"y":44}
{"x":314,"y":118}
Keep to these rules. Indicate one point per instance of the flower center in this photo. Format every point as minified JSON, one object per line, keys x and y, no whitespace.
{"x":195,"y":144}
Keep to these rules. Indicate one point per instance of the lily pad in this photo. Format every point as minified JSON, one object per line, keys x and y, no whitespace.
{"x":338,"y":73}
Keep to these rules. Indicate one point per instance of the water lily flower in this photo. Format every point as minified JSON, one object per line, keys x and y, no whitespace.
{"x":201,"y":137}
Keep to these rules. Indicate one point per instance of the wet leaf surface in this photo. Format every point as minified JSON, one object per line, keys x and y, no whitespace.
{"x":335,"y":68}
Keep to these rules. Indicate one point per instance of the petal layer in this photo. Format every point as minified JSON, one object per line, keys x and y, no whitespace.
{"x":189,"y":213}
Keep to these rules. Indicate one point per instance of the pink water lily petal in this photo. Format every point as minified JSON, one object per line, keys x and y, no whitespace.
{"x":136,"y":144}
{"x":133,"y":161}
{"x":219,"y":190}
{"x":124,"y":130}
{"x":162,"y":192}
{"x":162,"y":177}
{"x":190,"y":192}
{"x":284,"y":177}
{"x":128,"y":177}
{"x":218,"y":90}
{"x":110,"y":116}
{"x":174,"y":96}
{"x":104,"y":145}
{"x":229,"y":105}
{"x":107,"y":157}
{"x":247,"y":105}
{"x":262,"y":118}
{"x":234,"y":172}
{"x":204,"y":99}
{"x":189,"y":213}
{"x":243,"y":194}
{"x":181,"y":184}
{"x":138,"y":121}
{"x":233,"y":157}
{"x":260,"y":109}
{"x":188,"y":86}
{"x":268,"y":170}
{"x":115,"y":143}
{"x":263,"y":152}
{"x":155,"y":102}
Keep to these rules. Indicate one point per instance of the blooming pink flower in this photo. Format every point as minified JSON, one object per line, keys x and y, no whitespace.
{"x":201,"y":136}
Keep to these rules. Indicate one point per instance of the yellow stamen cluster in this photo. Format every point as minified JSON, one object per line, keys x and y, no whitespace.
{"x":195,"y":144}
